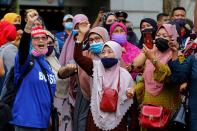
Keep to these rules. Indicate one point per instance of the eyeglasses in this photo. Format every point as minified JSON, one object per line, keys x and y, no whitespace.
{"x":95,"y":39}
{"x":50,"y":43}
{"x":43,"y":38}
{"x":122,"y":20}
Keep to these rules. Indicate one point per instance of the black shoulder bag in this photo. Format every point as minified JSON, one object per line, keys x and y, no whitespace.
{"x":7,"y":100}
{"x":54,"y":112}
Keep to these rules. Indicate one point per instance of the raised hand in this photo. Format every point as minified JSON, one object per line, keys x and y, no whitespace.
{"x":84,"y":26}
{"x":130,"y":92}
{"x":173,"y":44}
{"x":31,"y":17}
{"x":149,"y":53}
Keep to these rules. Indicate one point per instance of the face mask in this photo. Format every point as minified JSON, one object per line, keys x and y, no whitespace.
{"x":36,"y":53}
{"x":75,"y":32}
{"x":148,"y":30}
{"x":96,"y":47}
{"x":68,"y":25}
{"x":162,"y":44}
{"x":109,"y":62}
{"x":119,"y":38}
{"x":180,"y":22}
{"x":50,"y":50}
{"x":107,"y":27}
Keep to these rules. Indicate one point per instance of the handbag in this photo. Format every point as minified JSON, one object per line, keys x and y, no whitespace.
{"x":154,"y":117}
{"x":180,"y":119}
{"x":54,"y":112}
{"x":109,"y":99}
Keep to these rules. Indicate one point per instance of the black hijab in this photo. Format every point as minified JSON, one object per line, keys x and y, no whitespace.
{"x":153,"y":23}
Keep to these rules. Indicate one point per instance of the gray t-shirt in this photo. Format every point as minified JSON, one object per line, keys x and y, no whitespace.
{"x":7,"y":53}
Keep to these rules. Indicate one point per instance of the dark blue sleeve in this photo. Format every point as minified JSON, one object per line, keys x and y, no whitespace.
{"x":180,"y":71}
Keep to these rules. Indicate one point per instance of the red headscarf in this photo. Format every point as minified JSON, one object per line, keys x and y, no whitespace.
{"x":7,"y":32}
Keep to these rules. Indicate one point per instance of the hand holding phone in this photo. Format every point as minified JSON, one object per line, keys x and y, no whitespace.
{"x":192,"y":36}
{"x":174,"y":33}
{"x":148,"y":40}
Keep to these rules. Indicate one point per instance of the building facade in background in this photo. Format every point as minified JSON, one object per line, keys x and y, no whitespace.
{"x":139,"y":9}
{"x":53,"y":11}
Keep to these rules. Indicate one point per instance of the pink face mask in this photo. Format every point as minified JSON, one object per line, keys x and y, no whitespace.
{"x":36,"y":53}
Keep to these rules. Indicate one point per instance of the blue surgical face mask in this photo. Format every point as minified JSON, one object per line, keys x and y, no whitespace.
{"x":96,"y":47}
{"x":75,"y":32}
{"x":68,"y":25}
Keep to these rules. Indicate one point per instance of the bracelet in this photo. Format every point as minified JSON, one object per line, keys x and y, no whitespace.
{"x":28,"y":28}
{"x":154,"y":61}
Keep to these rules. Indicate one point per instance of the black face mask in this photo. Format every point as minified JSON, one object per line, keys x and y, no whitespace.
{"x":50,"y":50}
{"x":107,"y":27}
{"x":109,"y":62}
{"x":162,"y":44}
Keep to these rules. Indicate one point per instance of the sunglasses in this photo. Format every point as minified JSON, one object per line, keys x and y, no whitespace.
{"x":43,"y":38}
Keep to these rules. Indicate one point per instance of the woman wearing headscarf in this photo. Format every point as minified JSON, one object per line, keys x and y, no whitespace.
{"x":12,"y":18}
{"x":66,"y":56}
{"x":7,"y":35}
{"x":118,"y":33}
{"x":106,"y":72}
{"x":147,"y":25}
{"x":61,"y":101}
{"x":108,"y":19}
{"x":7,"y":32}
{"x":96,"y":38}
{"x":157,"y":86}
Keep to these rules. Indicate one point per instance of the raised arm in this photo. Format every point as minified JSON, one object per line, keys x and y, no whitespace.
{"x":26,"y":37}
{"x":84,"y":62}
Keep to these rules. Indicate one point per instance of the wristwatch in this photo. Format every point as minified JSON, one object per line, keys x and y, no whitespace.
{"x":154,"y":61}
{"x":78,"y":42}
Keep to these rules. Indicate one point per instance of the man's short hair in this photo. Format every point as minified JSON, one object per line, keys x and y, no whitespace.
{"x":178,"y":8}
{"x":161,"y":15}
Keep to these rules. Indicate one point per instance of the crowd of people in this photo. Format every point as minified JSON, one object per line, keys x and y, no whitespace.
{"x":99,"y":76}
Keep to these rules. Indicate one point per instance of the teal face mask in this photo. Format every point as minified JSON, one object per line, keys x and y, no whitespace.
{"x":96,"y":47}
{"x":68,"y":25}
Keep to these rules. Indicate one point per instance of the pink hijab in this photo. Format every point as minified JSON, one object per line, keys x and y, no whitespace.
{"x":68,"y":48}
{"x":153,"y":87}
{"x":84,"y":79}
{"x":131,"y":51}
{"x":66,"y":56}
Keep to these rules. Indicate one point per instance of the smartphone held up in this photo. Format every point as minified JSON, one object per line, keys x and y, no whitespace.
{"x":148,"y":40}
